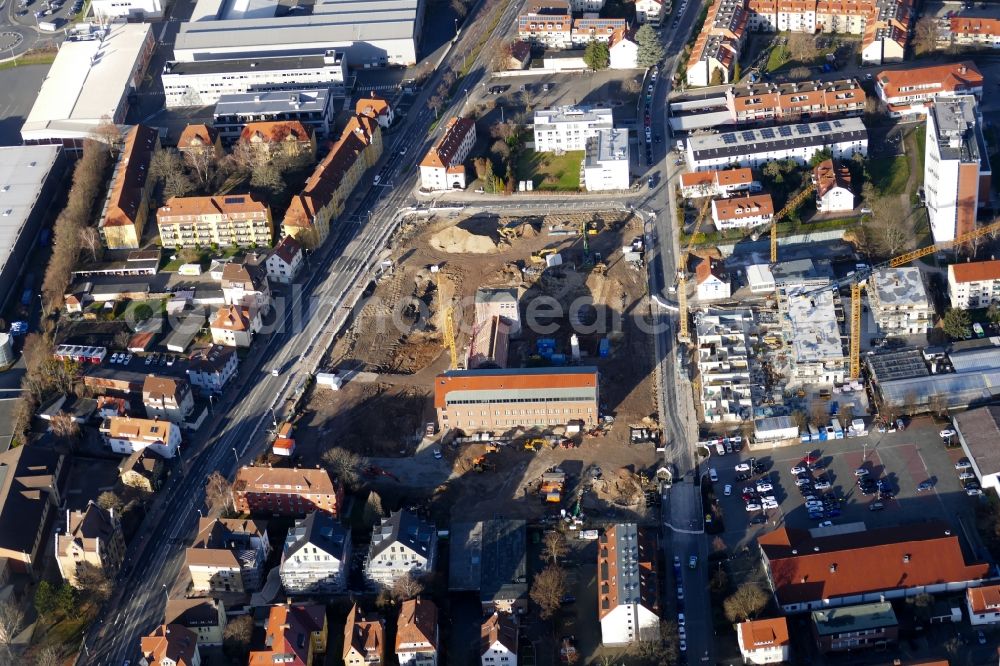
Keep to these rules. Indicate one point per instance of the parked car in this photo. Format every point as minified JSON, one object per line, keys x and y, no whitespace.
{"x":753,"y":506}
{"x":728,"y":490}
{"x":966,"y":476}
{"x":925,"y":485}
{"x":861,"y":471}
{"x":803,"y":482}
{"x":713,"y":475}
{"x":693,"y":562}
{"x":876,"y":506}
{"x":972,"y":492}
{"x":680,"y":619}
{"x":742,"y":467}
{"x":764,"y":487}
{"x":821,"y":484}
{"x":947,"y":433}
{"x":799,"y":469}
{"x":963,"y":464}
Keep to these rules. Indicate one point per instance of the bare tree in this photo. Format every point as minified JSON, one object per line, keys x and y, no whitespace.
{"x":501,"y":60}
{"x":237,"y":635}
{"x":90,"y":240}
{"x":107,"y":132}
{"x":47,"y":656}
{"x":819,"y":413}
{"x":93,"y":582}
{"x":407,"y":587}
{"x":11,"y":623}
{"x":110,"y":501}
{"x":203,"y":163}
{"x":218,"y":492}
{"x":548,"y":590}
{"x":748,"y":600}
{"x":801,"y":48}
{"x":64,"y":427}
{"x":24,"y":414}
{"x":459,"y":7}
{"x":344,"y":465}
{"x":719,"y":545}
{"x":925,"y":35}
{"x":799,"y":73}
{"x":167,"y":168}
{"x":554,"y":546}
{"x":122,"y":339}
{"x":435,"y":103}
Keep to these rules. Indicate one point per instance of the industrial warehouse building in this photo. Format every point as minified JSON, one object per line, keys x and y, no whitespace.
{"x":498,"y":399}
{"x":371,"y":33}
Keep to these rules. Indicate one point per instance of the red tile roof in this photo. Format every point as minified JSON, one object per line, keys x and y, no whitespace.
{"x":288,"y":634}
{"x":171,"y":641}
{"x":985,"y":599}
{"x":197,"y":136}
{"x":763,"y":634}
{"x":286,"y":249}
{"x":751,"y":205}
{"x":488,"y":380}
{"x":974,"y":26}
{"x":277,"y":131}
{"x":418,"y":620}
{"x":498,"y":628}
{"x":443,"y":152}
{"x":129,"y":180}
{"x":372,"y":106}
{"x":828,"y":175}
{"x":930,"y":81}
{"x":976,"y":271}
{"x":366,"y":635}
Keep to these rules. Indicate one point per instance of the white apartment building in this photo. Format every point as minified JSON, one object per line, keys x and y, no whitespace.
{"x":764,"y":641}
{"x":498,"y":641}
{"x":580,"y":6}
{"x":910,"y":92}
{"x":605,"y":166}
{"x":833,"y":187}
{"x":285,"y":260}
{"x":983,"y":605}
{"x":128,"y":9}
{"x":978,"y":32}
{"x":754,"y":148}
{"x":401,"y":544}
{"x":725,"y":183}
{"x":811,"y":326}
{"x":628,"y":598}
{"x":316,"y":555}
{"x":724,"y":341}
{"x":744,"y":212}
{"x":211,"y":369}
{"x":974,"y":285}
{"x":443,"y":167}
{"x":899,"y":302}
{"x":565,"y":128}
{"x":202,"y":82}
{"x":126,"y":435}
{"x":956,"y":167}
{"x":649,"y":11}
{"x":712,"y":282}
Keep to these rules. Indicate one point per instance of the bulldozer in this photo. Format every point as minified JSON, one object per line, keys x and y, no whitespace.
{"x":535,"y":444}
{"x":481,"y":464}
{"x":539,"y":256}
{"x":492,"y":447}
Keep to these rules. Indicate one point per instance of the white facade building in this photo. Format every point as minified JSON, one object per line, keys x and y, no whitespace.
{"x":628,"y":605}
{"x":126,"y":435}
{"x":956,"y":167}
{"x":401,"y":544}
{"x":201,"y":83}
{"x":753,"y":148}
{"x":316,"y":554}
{"x":211,"y":369}
{"x":724,"y":341}
{"x":649,"y":11}
{"x":983,"y":605}
{"x":285,"y":261}
{"x":568,"y":127}
{"x":697,"y":184}
{"x":811,"y":325}
{"x":764,"y":641}
{"x":712,"y":281}
{"x":503,"y":302}
{"x":899,"y":302}
{"x":623,"y":52}
{"x":605,"y":166}
{"x":974,"y":284}
{"x":743,"y":212}
{"x":443,"y":167}
{"x":833,"y":187}
{"x":498,"y":643}
{"x":910,"y":92}
{"x":128,"y":9}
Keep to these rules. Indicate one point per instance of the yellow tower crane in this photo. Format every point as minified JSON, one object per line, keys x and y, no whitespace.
{"x":682,"y":333}
{"x":792,"y":204}
{"x":449,"y":323}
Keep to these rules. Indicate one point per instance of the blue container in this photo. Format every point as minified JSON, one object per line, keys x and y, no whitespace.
{"x":604,"y":348}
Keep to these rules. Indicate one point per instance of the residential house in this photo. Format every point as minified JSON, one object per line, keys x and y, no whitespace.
{"x":285,"y":260}
{"x":744,"y":212}
{"x":520,"y":55}
{"x":696,"y":184}
{"x":911,"y":92}
{"x":377,"y":108}
{"x":591,"y":28}
{"x":228,"y":555}
{"x":443,"y":167}
{"x":167,"y":398}
{"x":833,"y":187}
{"x":899,"y":301}
{"x":417,"y":633}
{"x":94,"y":537}
{"x":401,"y":544}
{"x":974,"y":284}
{"x":974,"y":31}
{"x":274,"y":137}
{"x":809,"y":572}
{"x":200,"y":140}
{"x":547,"y":23}
{"x":628,"y":596}
{"x":789,"y":102}
{"x":364,"y":639}
{"x":983,"y":604}
{"x":764,"y":641}
{"x":108,"y":406}
{"x":565,"y":128}
{"x":294,"y":634}
{"x":649,"y":11}
{"x":606,"y":161}
{"x":235,"y":326}
{"x":211,"y":368}
{"x":170,"y":645}
{"x":713,"y":283}
{"x":232,"y":220}
{"x":205,"y":616}
{"x":126,"y":435}
{"x":850,"y":628}
{"x":286,"y":491}
{"x":717,"y":47}
{"x":322,"y":198}
{"x":245,"y":283}
{"x":127,"y":206}
{"x":316,"y":556}
{"x":498,"y":641}
{"x":32,"y":478}
{"x":144,"y":469}
{"x":623,"y":50}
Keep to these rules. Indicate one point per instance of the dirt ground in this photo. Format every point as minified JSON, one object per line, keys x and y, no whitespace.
{"x":396,"y":341}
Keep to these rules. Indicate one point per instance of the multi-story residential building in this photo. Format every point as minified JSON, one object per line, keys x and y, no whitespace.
{"x":228,"y":555}
{"x":377,"y":108}
{"x":725,"y":183}
{"x":245,"y":283}
{"x":899,"y":301}
{"x":94,"y":537}
{"x":711,"y":280}
{"x":205,"y":616}
{"x":850,"y":628}
{"x":606,"y":162}
{"x":228,"y":220}
{"x":569,"y":127}
{"x":417,"y":633}
{"x":861,"y":565}
{"x":202,"y":82}
{"x":401,"y":544}
{"x":364,"y":639}
{"x":983,"y":604}
{"x":143,"y":470}
{"x":295,"y":634}
{"x":754,"y":148}
{"x":126,"y":435}
{"x":796,"y":101}
{"x":548,"y":24}
{"x":316,"y":556}
{"x":211,"y":368}
{"x":910,"y":92}
{"x":833,"y":187}
{"x":974,"y":285}
{"x":718,"y":45}
{"x":764,"y":641}
{"x":126,"y":208}
{"x":288,"y":137}
{"x":592,"y":28}
{"x":811,"y":326}
{"x":956,"y":167}
{"x":628,"y":597}
{"x":322,"y":198}
{"x":649,"y":11}
{"x":235,"y":326}
{"x":199,"y":139}
{"x":443,"y":167}
{"x":140,"y":10}
{"x":167,"y":398}
{"x":581,"y":6}
{"x":980,"y":32}
{"x":171,"y":645}
{"x":286,"y":492}
{"x":727,"y":389}
{"x":285,"y":261}
{"x":313,"y":108}
{"x":499,"y":399}
{"x":503,"y":303}
{"x":742,"y":212}
{"x":33,"y":481}
{"x":498,"y":640}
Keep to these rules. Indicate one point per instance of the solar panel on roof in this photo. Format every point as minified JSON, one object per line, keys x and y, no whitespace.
{"x":729,"y":139}
{"x":767,"y":133}
{"x":803,"y":129}
{"x":823,"y":127}
{"x":785,"y":130}
{"x":837,"y":123}
{"x":749,"y":136}
{"x":234,"y":200}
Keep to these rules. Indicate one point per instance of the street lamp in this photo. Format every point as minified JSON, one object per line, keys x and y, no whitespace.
{"x":237,"y":456}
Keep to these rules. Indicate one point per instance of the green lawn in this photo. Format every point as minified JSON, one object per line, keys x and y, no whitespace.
{"x":889,"y":175}
{"x":551,"y":172}
{"x":30,"y":58}
{"x":776,"y":59}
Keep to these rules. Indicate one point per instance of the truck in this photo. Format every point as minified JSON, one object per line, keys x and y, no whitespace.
{"x":47,"y":26}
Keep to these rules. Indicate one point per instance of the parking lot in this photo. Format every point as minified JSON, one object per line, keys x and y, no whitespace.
{"x":902,"y":460}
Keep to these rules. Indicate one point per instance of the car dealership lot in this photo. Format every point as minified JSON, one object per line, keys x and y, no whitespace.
{"x":903,"y":459}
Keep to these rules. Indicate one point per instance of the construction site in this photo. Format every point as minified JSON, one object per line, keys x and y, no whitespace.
{"x":420,"y":319}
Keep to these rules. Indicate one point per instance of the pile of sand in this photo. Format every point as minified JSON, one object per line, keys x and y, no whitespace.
{"x":455,"y":240}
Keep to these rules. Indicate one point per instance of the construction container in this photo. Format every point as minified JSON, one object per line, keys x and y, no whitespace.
{"x":329,"y":380}
{"x":604,"y":348}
